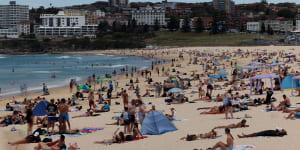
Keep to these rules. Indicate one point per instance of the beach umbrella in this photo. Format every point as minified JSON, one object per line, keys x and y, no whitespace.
{"x":175,"y":90}
{"x":101,"y":80}
{"x":84,"y":87}
{"x":40,"y":108}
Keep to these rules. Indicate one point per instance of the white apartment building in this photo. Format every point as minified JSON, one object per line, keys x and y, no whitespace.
{"x":64,"y":26}
{"x":99,"y":13}
{"x":23,"y":27}
{"x":253,"y":27}
{"x":61,"y":20}
{"x":12,"y":14}
{"x":279,"y":25}
{"x":148,"y":15}
{"x":9,"y":33}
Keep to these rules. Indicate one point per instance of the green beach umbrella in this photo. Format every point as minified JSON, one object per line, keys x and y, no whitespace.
{"x":84,"y":87}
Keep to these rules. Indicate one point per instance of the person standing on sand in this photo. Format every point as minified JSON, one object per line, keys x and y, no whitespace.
{"x":71,"y":85}
{"x":51,"y":111}
{"x":125,"y":98}
{"x":29,"y":118}
{"x":63,"y":109}
{"x":228,"y":105}
{"x":91,"y":100}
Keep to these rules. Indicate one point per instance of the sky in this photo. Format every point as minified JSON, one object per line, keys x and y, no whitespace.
{"x":61,"y":3}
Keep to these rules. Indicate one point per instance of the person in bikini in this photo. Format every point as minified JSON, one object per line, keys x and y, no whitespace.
{"x":210,"y":135}
{"x":215,"y":110}
{"x":241,"y":124}
{"x":117,"y":138}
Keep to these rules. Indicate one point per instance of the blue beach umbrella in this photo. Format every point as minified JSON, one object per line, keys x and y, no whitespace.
{"x":175,"y":90}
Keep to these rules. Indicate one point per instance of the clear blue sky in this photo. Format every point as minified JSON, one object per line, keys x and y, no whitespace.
{"x":60,"y":3}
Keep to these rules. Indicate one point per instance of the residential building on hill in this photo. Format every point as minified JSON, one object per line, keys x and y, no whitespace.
{"x":148,"y":15}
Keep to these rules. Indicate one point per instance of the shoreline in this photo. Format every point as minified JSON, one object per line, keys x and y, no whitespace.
{"x":84,"y":78}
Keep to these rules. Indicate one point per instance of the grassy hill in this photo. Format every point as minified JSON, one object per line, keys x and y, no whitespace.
{"x":165,"y":38}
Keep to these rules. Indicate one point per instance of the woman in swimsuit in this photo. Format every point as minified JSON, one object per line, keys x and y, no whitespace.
{"x":210,"y":135}
{"x":117,"y":138}
{"x":56,"y":145}
{"x":277,"y":132}
{"x":89,"y":113}
{"x":241,"y":124}
{"x":215,"y":110}
{"x":229,"y":142}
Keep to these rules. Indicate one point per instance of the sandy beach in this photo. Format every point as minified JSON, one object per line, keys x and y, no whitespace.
{"x":193,"y":123}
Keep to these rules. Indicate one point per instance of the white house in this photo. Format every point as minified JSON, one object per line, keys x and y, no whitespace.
{"x":64,"y":26}
{"x":253,"y":27}
{"x":148,"y":15}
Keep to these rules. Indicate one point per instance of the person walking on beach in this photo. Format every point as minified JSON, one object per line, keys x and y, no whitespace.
{"x":71,"y":85}
{"x":125,"y":98}
{"x":91,"y":100}
{"x":63,"y":109}
{"x":29,"y":118}
{"x":51,"y":111}
{"x":228,"y":104}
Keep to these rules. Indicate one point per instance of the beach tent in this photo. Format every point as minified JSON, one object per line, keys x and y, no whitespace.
{"x":264,"y":76}
{"x":297,"y":78}
{"x":40,"y":108}
{"x":287,"y":83}
{"x":156,"y":123}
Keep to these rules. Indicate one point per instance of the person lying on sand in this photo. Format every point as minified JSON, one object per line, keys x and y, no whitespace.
{"x":277,"y":132}
{"x":224,"y":146}
{"x":89,"y":113}
{"x":241,"y":124}
{"x":215,"y":110}
{"x":117,"y":138}
{"x":210,"y":135}
{"x":119,"y":121}
{"x":33,"y":138}
{"x":56,"y":145}
{"x":294,"y":114}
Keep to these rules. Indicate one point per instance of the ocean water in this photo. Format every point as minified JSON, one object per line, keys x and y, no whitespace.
{"x":33,"y":70}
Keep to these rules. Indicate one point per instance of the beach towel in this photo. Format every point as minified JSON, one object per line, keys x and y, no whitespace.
{"x":179,"y":119}
{"x":92,"y":129}
{"x":67,"y":135}
{"x":241,"y":147}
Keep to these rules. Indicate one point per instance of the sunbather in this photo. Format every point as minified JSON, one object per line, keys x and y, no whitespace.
{"x":215,"y":110}
{"x":277,"y":132}
{"x":56,"y":145}
{"x":89,"y":113}
{"x":225,"y":146}
{"x":241,"y":124}
{"x":212,"y":134}
{"x":117,"y":138}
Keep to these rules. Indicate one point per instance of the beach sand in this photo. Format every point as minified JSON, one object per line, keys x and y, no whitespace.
{"x":195,"y":122}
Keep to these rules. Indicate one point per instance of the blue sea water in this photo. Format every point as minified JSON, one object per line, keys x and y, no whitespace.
{"x":33,"y":70}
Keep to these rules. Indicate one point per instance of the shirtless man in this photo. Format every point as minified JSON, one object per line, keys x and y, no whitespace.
{"x":63,"y":109}
{"x":225,"y":146}
{"x":283,"y":104}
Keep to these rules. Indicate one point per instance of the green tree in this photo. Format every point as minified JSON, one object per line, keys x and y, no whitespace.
{"x":186,"y":25}
{"x":173,"y":24}
{"x":263,"y":28}
{"x":156,"y":25}
{"x":199,"y":25}
{"x":103,"y":27}
{"x":287,"y":13}
{"x":270,"y":30}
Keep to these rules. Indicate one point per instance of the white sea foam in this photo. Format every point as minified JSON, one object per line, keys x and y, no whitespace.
{"x":2,"y":57}
{"x":100,"y":54}
{"x":113,"y":66}
{"x":45,"y":72}
{"x":63,"y":57}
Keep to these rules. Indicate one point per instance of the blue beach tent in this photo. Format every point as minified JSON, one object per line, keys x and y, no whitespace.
{"x":155,"y":123}
{"x":40,"y":108}
{"x":287,"y":83}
